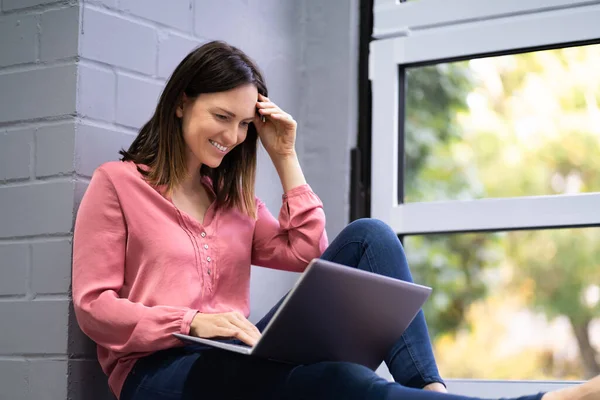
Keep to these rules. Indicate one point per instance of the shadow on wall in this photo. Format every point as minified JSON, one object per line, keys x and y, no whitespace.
{"x":86,"y":380}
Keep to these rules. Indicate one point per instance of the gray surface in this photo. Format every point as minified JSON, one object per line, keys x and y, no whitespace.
{"x":13,"y":146}
{"x":14,"y":257}
{"x":37,"y":209}
{"x":61,"y":118}
{"x":54,"y":149}
{"x":37,"y":93}
{"x":51,"y":266}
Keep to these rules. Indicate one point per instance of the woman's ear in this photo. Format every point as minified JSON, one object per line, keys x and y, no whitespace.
{"x":182,"y":102}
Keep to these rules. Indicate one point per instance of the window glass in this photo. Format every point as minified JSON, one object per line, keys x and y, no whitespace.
{"x":512,"y":305}
{"x":504,"y":126}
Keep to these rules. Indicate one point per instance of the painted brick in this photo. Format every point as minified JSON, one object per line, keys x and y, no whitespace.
{"x":59,"y":33}
{"x":109,"y":3}
{"x":80,"y":345}
{"x":30,"y":93}
{"x":171,"y":50}
{"x":25,"y":323}
{"x":15,"y":150}
{"x":19,"y":37}
{"x":126,"y":44}
{"x":80,"y":188}
{"x":274,"y":17}
{"x":14,"y":259}
{"x":210,"y":22}
{"x":175,"y":13}
{"x":96,"y":93}
{"x":136,"y":100}
{"x":36,"y":209}
{"x":14,"y":379}
{"x":97,"y":145}
{"x":47,"y":379}
{"x":87,"y":381}
{"x":51,"y":272}
{"x":55,"y":146}
{"x":8,"y":5}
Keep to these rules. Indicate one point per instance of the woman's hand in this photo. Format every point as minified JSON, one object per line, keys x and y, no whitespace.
{"x":278,"y":132}
{"x":226,"y":325}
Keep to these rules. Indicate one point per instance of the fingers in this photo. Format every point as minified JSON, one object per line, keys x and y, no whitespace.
{"x":235,"y":332}
{"x":246,"y":331}
{"x":275,"y":113}
{"x":269,"y":111}
{"x":268,"y":108}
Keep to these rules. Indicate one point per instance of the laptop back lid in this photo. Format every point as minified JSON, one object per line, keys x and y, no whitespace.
{"x":339,"y":313}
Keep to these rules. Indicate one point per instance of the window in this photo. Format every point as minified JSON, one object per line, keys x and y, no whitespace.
{"x":485,"y":137}
{"x":504,"y":126}
{"x":528,"y":300}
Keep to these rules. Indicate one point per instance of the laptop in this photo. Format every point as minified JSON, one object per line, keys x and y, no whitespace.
{"x":335,"y":313}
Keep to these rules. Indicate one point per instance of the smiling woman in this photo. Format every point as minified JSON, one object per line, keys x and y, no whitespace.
{"x":191,"y":111}
{"x":165,"y":238}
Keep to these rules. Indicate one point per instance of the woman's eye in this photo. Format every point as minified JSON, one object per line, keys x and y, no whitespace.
{"x":221,"y":117}
{"x":245,"y":124}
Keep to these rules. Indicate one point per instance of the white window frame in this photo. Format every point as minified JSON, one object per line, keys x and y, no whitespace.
{"x":408,"y":33}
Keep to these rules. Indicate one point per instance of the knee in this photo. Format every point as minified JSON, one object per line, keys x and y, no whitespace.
{"x":333,"y":380}
{"x":347,"y":372}
{"x":371,"y":227}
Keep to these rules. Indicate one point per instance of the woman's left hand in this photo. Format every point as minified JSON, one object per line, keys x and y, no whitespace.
{"x":278,"y":132}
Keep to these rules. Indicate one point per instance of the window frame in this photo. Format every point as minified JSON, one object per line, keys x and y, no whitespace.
{"x":408,"y":34}
{"x":389,"y":55}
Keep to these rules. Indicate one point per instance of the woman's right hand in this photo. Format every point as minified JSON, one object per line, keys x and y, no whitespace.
{"x":226,"y":325}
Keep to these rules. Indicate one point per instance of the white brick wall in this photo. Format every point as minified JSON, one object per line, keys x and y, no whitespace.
{"x":38,"y":77}
{"x":111,"y":38}
{"x":136,"y":99}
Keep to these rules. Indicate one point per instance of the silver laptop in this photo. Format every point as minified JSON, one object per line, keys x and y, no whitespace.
{"x":335,"y":313}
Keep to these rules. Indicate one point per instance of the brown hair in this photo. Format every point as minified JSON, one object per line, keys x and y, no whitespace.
{"x":212,"y":67}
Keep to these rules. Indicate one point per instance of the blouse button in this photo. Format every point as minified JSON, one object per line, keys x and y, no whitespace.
{"x":203,"y":234}
{"x":206,"y":246}
{"x":208,"y":259}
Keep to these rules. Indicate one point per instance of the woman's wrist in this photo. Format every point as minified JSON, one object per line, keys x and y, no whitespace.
{"x":289,"y":171}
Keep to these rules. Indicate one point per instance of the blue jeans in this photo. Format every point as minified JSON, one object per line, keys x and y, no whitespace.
{"x":201,"y":372}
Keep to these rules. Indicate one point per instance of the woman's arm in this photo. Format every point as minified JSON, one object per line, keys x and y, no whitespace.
{"x":99,"y":245}
{"x":298,"y":235}
{"x":290,"y":173}
{"x":278,"y":136}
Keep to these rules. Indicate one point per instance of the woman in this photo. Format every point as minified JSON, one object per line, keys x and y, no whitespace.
{"x":165,"y":237}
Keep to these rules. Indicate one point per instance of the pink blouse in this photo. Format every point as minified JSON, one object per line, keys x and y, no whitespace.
{"x":142,"y":268}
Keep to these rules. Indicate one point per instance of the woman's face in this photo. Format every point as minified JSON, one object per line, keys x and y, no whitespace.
{"x":214,"y":123}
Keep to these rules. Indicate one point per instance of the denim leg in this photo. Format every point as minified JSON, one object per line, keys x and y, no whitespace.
{"x":348,"y":381}
{"x":371,"y":245}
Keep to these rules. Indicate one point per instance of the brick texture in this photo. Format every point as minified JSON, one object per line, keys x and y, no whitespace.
{"x":39,"y":93}
{"x":97,"y":145}
{"x":58,"y":38}
{"x":126,"y":44}
{"x":136,"y":100}
{"x":19,"y":36}
{"x":14,"y":261}
{"x":55,"y":145}
{"x":38,"y":209}
{"x":171,"y":50}
{"x":9,"y":5}
{"x":102,"y":84}
{"x":15,"y":149}
{"x":13,"y":374}
{"x":51,"y":267}
{"x":175,"y":13}
{"x":25,"y":323}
